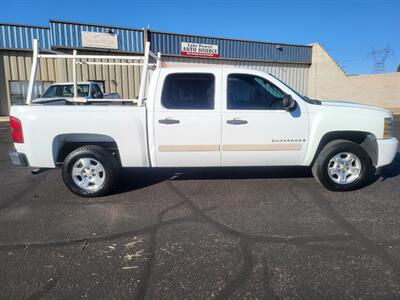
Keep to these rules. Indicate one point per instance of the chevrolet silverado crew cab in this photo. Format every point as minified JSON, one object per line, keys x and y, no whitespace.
{"x":203,"y":117}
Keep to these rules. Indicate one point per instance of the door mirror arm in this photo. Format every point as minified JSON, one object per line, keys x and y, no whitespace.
{"x":288,"y":103}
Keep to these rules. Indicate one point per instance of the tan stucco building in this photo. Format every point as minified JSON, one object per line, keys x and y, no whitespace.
{"x":328,"y":81}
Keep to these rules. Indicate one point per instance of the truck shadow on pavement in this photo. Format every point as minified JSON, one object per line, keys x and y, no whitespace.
{"x":136,"y":178}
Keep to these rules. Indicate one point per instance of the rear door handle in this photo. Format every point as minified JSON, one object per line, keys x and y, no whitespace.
{"x":168,"y":121}
{"x":236,"y":121}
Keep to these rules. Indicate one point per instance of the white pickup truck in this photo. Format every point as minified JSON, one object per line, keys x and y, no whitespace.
{"x":205,"y":117}
{"x":62,"y":93}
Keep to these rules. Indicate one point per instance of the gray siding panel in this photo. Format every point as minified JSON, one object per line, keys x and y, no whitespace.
{"x":170,"y":43}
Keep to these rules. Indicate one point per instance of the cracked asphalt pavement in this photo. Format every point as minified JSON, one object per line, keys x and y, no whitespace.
{"x":235,"y":233}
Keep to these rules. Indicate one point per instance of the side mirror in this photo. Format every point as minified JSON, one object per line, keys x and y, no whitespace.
{"x":288,"y":103}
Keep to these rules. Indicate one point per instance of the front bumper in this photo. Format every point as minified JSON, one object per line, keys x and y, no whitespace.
{"x":387,"y":150}
{"x":18,"y":159}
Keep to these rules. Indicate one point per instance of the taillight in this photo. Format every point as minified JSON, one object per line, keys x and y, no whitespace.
{"x":16,"y":130}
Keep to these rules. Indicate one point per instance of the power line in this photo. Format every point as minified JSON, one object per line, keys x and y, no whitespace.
{"x":379,"y":57}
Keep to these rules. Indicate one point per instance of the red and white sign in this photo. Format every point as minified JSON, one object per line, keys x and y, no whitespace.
{"x":195,"y":49}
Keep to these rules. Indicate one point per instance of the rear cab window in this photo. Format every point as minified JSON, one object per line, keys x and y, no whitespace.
{"x":65,"y":91}
{"x":189,"y":91}
{"x":96,"y":92}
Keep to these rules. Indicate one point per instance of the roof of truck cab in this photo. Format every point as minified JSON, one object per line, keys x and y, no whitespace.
{"x":213,"y":69}
{"x":70,"y":83}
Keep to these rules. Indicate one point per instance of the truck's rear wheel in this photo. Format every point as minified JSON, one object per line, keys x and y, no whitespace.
{"x":90,"y":171}
{"x":342,"y":166}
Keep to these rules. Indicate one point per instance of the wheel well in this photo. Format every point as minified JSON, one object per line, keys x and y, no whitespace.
{"x":365,"y":139}
{"x":66,"y":143}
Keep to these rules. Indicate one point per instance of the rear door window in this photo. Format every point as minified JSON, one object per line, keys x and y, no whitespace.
{"x":188,"y":91}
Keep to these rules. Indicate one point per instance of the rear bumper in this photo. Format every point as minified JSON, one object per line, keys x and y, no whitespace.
{"x":18,"y":159}
{"x":387,"y":150}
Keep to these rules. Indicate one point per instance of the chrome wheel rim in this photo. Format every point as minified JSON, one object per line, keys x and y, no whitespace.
{"x":344,"y":168}
{"x":88,"y":174}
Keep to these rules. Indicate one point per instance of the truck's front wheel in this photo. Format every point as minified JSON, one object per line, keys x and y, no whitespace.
{"x":90,"y":171}
{"x":342,"y":165}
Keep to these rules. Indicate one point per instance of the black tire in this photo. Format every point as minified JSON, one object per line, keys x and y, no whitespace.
{"x":320,"y":166}
{"x":101,"y":155}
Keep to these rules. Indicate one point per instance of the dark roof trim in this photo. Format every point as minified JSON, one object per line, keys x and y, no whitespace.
{"x":239,"y":59}
{"x":96,"y":25}
{"x":42,"y":50}
{"x":24,"y":25}
{"x":229,"y":39}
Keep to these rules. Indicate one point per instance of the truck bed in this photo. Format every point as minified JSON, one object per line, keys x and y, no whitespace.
{"x":47,"y":128}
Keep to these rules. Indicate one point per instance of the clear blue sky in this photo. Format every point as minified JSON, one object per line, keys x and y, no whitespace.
{"x":348,"y":29}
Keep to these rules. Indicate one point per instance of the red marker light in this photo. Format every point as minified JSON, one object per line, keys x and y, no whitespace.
{"x":16,"y":130}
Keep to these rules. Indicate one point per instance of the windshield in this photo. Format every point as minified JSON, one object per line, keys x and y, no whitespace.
{"x":65,"y":91}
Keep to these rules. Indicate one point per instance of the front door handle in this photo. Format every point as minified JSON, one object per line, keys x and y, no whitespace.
{"x":236,"y":121}
{"x":168,"y":121}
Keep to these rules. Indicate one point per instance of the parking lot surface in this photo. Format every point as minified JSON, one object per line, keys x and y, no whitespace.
{"x":237,"y":233}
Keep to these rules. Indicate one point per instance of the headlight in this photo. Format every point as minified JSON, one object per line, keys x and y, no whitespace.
{"x":387,"y":128}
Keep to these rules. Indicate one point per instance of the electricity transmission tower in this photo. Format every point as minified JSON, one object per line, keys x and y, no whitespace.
{"x":379,"y":57}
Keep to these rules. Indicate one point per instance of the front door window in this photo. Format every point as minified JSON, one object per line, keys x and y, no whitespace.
{"x":253,"y":92}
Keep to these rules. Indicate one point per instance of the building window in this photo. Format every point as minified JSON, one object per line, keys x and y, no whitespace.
{"x":188,"y":91}
{"x":252,"y":92}
{"x":19,"y":90}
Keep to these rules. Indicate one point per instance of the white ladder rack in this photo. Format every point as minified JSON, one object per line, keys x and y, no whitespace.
{"x":76,"y":60}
